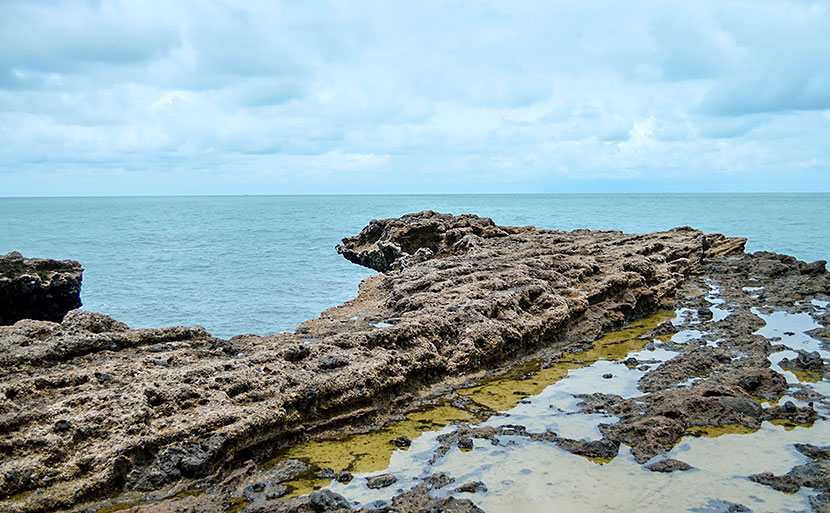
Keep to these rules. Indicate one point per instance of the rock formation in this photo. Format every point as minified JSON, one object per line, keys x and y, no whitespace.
{"x":38,"y":288}
{"x":89,"y":407}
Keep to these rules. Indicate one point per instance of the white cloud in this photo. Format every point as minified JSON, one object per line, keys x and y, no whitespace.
{"x":339,"y":161}
{"x":437,"y":96}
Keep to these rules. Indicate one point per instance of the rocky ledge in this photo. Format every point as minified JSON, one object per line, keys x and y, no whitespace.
{"x":90,"y":408}
{"x":37,"y":288}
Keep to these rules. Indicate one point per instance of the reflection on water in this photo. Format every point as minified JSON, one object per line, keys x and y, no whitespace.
{"x":523,"y":475}
{"x":537,"y":477}
{"x":790,"y":330}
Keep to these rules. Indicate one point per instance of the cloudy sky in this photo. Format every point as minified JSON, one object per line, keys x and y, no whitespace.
{"x":247,"y":97}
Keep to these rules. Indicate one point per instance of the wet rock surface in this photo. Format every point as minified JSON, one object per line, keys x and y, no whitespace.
{"x":38,"y":288}
{"x":91,"y":407}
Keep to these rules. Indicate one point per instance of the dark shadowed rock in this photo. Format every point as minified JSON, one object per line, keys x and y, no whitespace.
{"x":781,"y":483}
{"x":327,"y":500}
{"x":402,"y":441}
{"x":804,"y":362}
{"x":38,"y":288}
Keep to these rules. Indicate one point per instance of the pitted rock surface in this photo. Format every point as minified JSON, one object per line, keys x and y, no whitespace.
{"x":89,"y":407}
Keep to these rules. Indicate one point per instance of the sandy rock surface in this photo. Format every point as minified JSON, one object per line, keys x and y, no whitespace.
{"x":90,"y":408}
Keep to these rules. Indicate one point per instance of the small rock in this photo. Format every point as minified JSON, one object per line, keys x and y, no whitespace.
{"x":438,"y":480}
{"x":607,"y":376}
{"x":669,"y":465}
{"x":327,"y":473}
{"x":327,"y":500}
{"x":806,"y":362}
{"x":465,"y":443}
{"x":402,"y":441}
{"x":381,"y":481}
{"x":344,"y":477}
{"x":664,"y":328}
{"x":472,"y":487}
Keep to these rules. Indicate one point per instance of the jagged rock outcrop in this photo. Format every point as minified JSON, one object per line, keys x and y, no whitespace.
{"x":413,"y":238}
{"x":38,"y":288}
{"x":91,"y":407}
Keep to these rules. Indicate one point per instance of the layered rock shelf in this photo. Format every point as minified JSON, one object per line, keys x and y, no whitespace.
{"x":90,"y":408}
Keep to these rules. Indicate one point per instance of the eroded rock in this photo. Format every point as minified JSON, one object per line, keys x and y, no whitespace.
{"x":458,"y":295}
{"x":38,"y":288}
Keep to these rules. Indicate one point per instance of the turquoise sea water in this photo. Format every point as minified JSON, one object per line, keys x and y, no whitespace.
{"x":260,"y":264}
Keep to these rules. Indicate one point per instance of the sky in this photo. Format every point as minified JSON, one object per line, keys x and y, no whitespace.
{"x":262,"y":97}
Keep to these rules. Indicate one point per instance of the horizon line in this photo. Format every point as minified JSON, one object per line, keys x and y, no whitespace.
{"x":709,"y":193}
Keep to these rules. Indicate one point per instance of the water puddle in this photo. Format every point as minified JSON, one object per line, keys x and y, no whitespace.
{"x":789,"y":329}
{"x":532,"y":476}
{"x":523,"y":475}
{"x":521,"y":396}
{"x":714,"y":299}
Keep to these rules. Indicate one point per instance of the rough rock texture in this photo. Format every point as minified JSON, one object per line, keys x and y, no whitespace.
{"x":89,"y":407}
{"x":417,"y":500}
{"x":38,"y":288}
{"x":718,"y":380}
{"x":393,"y":243}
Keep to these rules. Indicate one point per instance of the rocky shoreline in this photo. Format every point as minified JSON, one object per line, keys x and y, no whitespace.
{"x":92,"y":409}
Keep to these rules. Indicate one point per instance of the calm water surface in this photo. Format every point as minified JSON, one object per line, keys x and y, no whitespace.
{"x":260,"y":264}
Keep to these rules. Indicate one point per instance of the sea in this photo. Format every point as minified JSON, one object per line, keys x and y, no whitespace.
{"x":264,"y":264}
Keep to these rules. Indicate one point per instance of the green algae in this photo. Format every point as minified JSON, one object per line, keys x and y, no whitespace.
{"x":372,"y":451}
{"x":789,"y":425}
{"x":724,"y":429}
{"x":505,"y":392}
{"x":366,"y":452}
{"x":237,"y":504}
{"x":119,"y":506}
{"x":805,"y":376}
